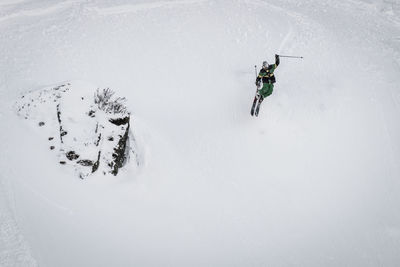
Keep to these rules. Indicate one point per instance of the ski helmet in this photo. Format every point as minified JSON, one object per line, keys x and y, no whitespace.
{"x":265,"y":64}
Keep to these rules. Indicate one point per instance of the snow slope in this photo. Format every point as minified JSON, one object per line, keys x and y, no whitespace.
{"x":313,"y":181}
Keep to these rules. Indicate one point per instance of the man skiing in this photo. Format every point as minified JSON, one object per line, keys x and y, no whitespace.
{"x":267,"y":76}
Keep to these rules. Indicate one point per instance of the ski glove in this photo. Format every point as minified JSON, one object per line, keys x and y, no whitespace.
{"x":276,"y":59}
{"x":258,"y":83}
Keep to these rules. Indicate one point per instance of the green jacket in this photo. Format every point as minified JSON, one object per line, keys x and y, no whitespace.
{"x":267,"y":74}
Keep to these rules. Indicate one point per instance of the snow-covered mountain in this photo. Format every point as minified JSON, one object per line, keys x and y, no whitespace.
{"x":313,"y":181}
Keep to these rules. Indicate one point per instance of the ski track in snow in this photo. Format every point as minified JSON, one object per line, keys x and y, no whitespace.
{"x":37,"y":12}
{"x":123,"y":9}
{"x":44,"y":198}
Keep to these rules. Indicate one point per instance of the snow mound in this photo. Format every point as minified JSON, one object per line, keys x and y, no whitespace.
{"x":88,"y":127}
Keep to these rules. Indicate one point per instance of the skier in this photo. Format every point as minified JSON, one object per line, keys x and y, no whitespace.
{"x":267,"y":76}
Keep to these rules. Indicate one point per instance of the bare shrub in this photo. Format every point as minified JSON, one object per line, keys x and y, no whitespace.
{"x":105,"y":101}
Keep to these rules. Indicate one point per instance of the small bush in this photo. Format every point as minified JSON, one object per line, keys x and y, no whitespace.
{"x":105,"y":101}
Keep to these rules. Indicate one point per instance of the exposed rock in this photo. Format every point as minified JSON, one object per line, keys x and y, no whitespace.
{"x":85,"y":162}
{"x":71,"y":155}
{"x":98,"y":140}
{"x":120,"y":121}
{"x":97,"y":163}
{"x":92,"y":133}
{"x":41,"y":123}
{"x":91,"y":113}
{"x":119,"y":151}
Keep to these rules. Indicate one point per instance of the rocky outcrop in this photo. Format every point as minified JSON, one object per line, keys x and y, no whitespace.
{"x":89,"y":128}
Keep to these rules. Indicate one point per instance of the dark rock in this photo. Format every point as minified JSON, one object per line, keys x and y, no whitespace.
{"x":110,"y":138}
{"x":85,"y":162}
{"x":91,"y":113}
{"x":59,"y":122}
{"x":58,"y":114}
{"x":119,"y":154}
{"x":52,"y":147}
{"x":98,"y":140}
{"x":51,"y":138}
{"x":62,"y":162}
{"x":120,"y":121}
{"x":97,"y":163}
{"x":71,"y":155}
{"x":41,"y":123}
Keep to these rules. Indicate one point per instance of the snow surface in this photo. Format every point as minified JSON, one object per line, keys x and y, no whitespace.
{"x":313,"y":181}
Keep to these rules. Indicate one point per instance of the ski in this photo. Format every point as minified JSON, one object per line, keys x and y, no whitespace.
{"x":254,"y":104}
{"x":258,"y":107}
{"x":257,"y":95}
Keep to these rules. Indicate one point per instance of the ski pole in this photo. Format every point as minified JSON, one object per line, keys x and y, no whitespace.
{"x":255,"y":69}
{"x":290,"y":56}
